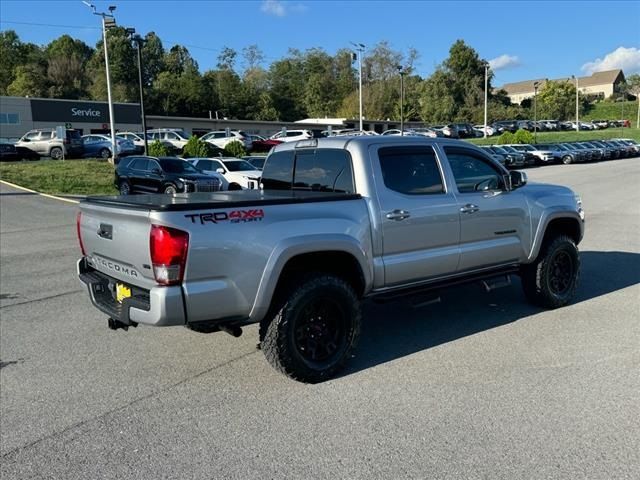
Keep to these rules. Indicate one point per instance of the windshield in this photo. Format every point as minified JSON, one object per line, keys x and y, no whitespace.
{"x":579,"y":147}
{"x":177,"y":166}
{"x":238,"y":165}
{"x":499,"y":150}
{"x":511,"y":149}
{"x":528,"y":148}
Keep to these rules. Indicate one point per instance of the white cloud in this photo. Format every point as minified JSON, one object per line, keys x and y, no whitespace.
{"x":504,"y":61}
{"x":628,"y":59}
{"x":273,"y":7}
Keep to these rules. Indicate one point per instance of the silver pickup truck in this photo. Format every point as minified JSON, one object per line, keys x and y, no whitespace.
{"x":337,"y":221}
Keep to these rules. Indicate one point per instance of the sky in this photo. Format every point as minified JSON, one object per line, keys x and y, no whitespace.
{"x":522,"y":40}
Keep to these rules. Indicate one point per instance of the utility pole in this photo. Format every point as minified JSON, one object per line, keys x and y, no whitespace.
{"x":402,"y":72}
{"x":359,"y":47}
{"x":486,"y":83}
{"x":108,"y":21}
{"x":137,"y":39}
{"x":577,"y":104}
{"x":535,"y":111}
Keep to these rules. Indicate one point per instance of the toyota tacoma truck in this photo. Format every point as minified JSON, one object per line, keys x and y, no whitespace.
{"x":337,"y":221}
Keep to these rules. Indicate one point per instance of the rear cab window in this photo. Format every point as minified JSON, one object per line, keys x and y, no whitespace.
{"x":411,"y":170}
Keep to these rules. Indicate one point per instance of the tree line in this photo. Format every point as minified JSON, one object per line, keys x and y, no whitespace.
{"x":302,"y":84}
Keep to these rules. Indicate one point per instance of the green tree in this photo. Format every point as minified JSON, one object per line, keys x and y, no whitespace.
{"x":15,"y":53}
{"x":506,"y":138}
{"x":29,"y":81}
{"x":67,"y":59}
{"x":158,"y":149}
{"x":523,"y":136}
{"x":122,"y":66}
{"x":197,"y":147}
{"x":557,"y":100}
{"x":235,"y":149}
{"x":633,"y":87}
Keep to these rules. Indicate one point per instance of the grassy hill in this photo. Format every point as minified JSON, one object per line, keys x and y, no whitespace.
{"x":612,"y":111}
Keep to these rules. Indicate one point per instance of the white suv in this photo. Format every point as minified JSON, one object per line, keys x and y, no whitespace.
{"x":292,"y":135}
{"x":220,"y":139}
{"x":238,"y":173}
{"x":176,"y":138}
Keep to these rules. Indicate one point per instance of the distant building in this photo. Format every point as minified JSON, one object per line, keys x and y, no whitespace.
{"x":599,"y":84}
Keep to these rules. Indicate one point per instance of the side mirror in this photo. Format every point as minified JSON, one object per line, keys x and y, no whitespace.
{"x":220,"y":170}
{"x":518,"y":179}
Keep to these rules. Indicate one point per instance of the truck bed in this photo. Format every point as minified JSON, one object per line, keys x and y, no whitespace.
{"x":197,"y":201}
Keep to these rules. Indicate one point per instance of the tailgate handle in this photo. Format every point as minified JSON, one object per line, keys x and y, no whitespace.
{"x":105,"y":231}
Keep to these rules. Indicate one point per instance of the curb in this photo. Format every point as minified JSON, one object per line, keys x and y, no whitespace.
{"x":68,"y":200}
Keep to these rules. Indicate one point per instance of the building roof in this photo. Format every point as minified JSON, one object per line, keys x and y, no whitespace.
{"x":598,"y":78}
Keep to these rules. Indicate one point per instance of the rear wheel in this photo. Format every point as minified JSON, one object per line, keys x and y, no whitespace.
{"x":313,"y":329}
{"x":567,"y":159}
{"x":551,"y":280}
{"x":125,"y":188}
{"x":104,"y":153}
{"x":56,"y":153}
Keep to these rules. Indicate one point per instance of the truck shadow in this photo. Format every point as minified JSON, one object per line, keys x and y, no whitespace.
{"x":395,"y":330}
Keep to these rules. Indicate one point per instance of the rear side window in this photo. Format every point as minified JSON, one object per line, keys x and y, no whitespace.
{"x":410,"y":170}
{"x":278,"y":171}
{"x":140,"y":164}
{"x":324,"y":170}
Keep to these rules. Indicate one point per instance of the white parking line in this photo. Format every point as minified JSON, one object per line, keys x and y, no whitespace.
{"x":69,"y":200}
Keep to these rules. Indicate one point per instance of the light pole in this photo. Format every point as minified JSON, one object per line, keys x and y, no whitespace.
{"x":108,"y":21}
{"x":577,"y":104}
{"x":535,"y":111}
{"x":402,"y":72}
{"x":137,"y":39}
{"x":359,"y":47}
{"x":486,"y":84}
{"x":622,"y":99}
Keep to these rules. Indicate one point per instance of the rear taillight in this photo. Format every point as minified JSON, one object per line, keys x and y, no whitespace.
{"x":78,"y":220}
{"x":169,"y":248}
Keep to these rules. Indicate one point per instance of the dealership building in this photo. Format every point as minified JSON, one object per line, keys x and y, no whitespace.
{"x":18,"y":115}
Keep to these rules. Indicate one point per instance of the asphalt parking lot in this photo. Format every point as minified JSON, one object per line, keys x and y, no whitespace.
{"x":477,"y":386}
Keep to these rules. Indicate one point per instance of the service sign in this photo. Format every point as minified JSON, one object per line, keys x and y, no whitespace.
{"x":82,"y":112}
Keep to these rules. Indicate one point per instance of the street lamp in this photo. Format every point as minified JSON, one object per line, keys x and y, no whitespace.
{"x":622,"y":100}
{"x":402,"y":73}
{"x":486,"y":84}
{"x":108,"y":21}
{"x":535,"y":111}
{"x":137,"y":39}
{"x":359,"y":47}
{"x":577,"y":104}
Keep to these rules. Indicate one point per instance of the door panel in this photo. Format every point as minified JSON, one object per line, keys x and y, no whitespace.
{"x":419,"y":218}
{"x":494,"y":222}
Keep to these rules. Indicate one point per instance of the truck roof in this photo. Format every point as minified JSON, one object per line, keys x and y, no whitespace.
{"x":343,"y":142}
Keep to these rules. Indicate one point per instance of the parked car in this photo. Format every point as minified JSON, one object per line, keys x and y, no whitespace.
{"x":96,"y":145}
{"x":489,"y":129}
{"x":448,"y":131}
{"x":505,"y":126}
{"x":256,"y":161}
{"x":222,"y":138}
{"x":292,"y":135}
{"x":497,"y":157}
{"x":633,"y":146}
{"x":514,"y":159}
{"x":596,"y":152}
{"x":45,"y":143}
{"x":550,"y":124}
{"x":608,"y":151}
{"x":238,"y":173}
{"x":560,"y":155}
{"x":540,"y":157}
{"x":139,"y":174}
{"x":261,"y":144}
{"x":173,"y":136}
{"x":8,"y":152}
{"x":465,"y":130}
{"x":136,"y":138}
{"x":573,"y":155}
{"x":601,"y":123}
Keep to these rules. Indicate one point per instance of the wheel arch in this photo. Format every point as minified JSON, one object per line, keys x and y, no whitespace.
{"x":338,"y":255}
{"x":565,"y":223}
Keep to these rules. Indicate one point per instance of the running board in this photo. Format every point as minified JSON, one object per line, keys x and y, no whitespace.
{"x":496,"y":282}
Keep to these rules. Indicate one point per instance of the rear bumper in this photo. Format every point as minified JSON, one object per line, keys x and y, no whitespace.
{"x":160,"y":306}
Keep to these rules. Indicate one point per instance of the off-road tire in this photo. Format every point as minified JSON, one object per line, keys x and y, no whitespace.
{"x":284,"y":332}
{"x":56,"y":153}
{"x":543,"y":282}
{"x":124,"y":188}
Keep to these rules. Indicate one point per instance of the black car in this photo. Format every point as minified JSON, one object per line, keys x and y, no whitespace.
{"x":162,"y":175}
{"x":256,"y":161}
{"x":465,"y":130}
{"x":8,"y":152}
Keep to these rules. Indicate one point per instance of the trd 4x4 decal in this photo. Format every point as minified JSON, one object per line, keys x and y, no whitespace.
{"x":234,"y":216}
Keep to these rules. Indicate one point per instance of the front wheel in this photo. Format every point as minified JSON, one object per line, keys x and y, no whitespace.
{"x":125,"y":188}
{"x":104,"y":153}
{"x":551,"y":280}
{"x":313,"y":329}
{"x":567,"y":159}
{"x":170,"y":189}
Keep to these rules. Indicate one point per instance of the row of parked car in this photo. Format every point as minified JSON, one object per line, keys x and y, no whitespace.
{"x":524,"y":155}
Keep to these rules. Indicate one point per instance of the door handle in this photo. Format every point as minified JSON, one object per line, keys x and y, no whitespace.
{"x":398,"y":215}
{"x":469,"y":208}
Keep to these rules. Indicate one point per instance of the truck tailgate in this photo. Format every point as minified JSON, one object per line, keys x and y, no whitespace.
{"x":116,"y":242}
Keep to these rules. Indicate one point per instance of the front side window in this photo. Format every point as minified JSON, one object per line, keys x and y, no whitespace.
{"x":411,"y":170}
{"x":472,"y":172}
